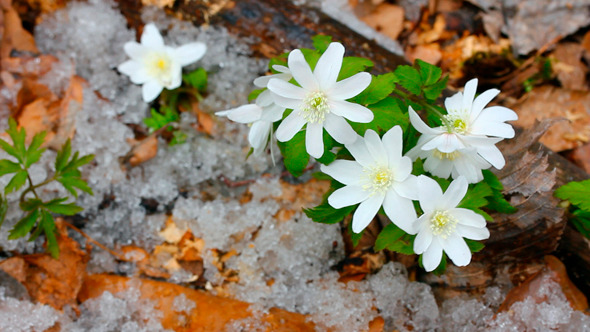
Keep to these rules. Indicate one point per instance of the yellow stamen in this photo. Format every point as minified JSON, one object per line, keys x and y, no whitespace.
{"x":442,"y":224}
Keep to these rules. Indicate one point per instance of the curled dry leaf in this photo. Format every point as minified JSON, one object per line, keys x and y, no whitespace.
{"x":386,"y":18}
{"x":142,"y":150}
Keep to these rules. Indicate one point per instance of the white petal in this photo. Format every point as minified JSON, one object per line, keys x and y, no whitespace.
{"x":400,"y":210}
{"x":189,"y":53}
{"x":465,"y":168}
{"x":366,"y":212}
{"x":445,"y":143}
{"x":454,"y":103}
{"x":468,"y":217}
{"x":360,"y":153}
{"x":243,"y":114}
{"x":401,"y":168}
{"x":286,"y":89}
{"x":262,"y":81}
{"x":272,"y":113}
{"x":393,"y":141}
{"x":375,"y":147}
{"x":422,"y":241}
{"x":429,"y":193}
{"x":350,"y":87}
{"x":352,"y":111}
{"x":347,"y":172}
{"x":481,"y":101}
{"x":339,"y":129}
{"x":417,"y":152}
{"x":176,"y":81}
{"x":454,"y":194}
{"x":492,"y":154}
{"x":408,"y":187}
{"x":503,"y":130}
{"x":289,"y":127}
{"x":419,"y":125}
{"x":135,"y":71}
{"x":258,"y":135}
{"x":328,"y":67}
{"x":473,"y":233}
{"x":285,"y":102}
{"x":456,"y":249}
{"x":499,"y":114}
{"x":151,"y":37}
{"x":301,"y":71}
{"x":438,"y":167}
{"x":135,"y":50}
{"x":314,"y":141}
{"x":432,"y":256}
{"x":469,"y":94}
{"x":151,"y":90}
{"x":347,"y":196}
{"x":281,"y":69}
{"x":265,"y":98}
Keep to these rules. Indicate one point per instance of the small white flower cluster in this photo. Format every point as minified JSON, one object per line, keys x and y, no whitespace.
{"x":380,"y":176}
{"x":155,"y":65}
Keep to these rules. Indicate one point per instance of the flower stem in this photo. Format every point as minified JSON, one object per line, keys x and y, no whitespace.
{"x":426,"y":106}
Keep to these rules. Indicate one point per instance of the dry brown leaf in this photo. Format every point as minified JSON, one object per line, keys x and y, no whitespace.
{"x":205,"y":122}
{"x":67,"y":109}
{"x":55,"y":282}
{"x":143,"y":150}
{"x":14,"y":37}
{"x":158,"y":3}
{"x":430,"y":53}
{"x":555,"y":271}
{"x":550,"y":102}
{"x":211,"y":313}
{"x":571,"y":71}
{"x":387,"y":19}
{"x":581,"y":157}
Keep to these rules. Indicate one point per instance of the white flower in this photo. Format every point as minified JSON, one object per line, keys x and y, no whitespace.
{"x":156,"y":65}
{"x":320,"y":101}
{"x":378,"y":176}
{"x":261,"y":119}
{"x":262,"y":114}
{"x":466,"y":162}
{"x":443,"y":225}
{"x":469,"y":125}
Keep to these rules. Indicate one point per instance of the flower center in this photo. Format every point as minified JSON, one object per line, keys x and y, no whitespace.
{"x":378,"y":179}
{"x":457,"y":124}
{"x":442,"y":224}
{"x":315,"y":107}
{"x":159,"y":66}
{"x":443,"y":155}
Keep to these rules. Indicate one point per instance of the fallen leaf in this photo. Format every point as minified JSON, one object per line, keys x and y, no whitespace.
{"x":143,"y":150}
{"x":387,"y":19}
{"x":571,"y":71}
{"x":55,"y":282}
{"x":14,"y":37}
{"x":547,"y":102}
{"x":581,"y":157}
{"x":554,"y":270}
{"x":430,"y":53}
{"x":158,"y":3}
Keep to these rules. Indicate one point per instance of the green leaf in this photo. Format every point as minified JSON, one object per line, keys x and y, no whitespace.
{"x":578,"y":193}
{"x":474,"y":246}
{"x":3,"y":209}
{"x":429,"y":74}
{"x":355,"y":237}
{"x":353,"y":65}
{"x":16,"y":182}
{"x":321,"y":42}
{"x":498,"y":202}
{"x":35,"y":151}
{"x":381,"y":86}
{"x":395,"y":239}
{"x":294,"y":154}
{"x":492,"y":180}
{"x":63,"y":156}
{"x":31,"y":204}
{"x":178,"y":137}
{"x":48,"y":226}
{"x":10,"y":149}
{"x":69,"y":209}
{"x":24,"y":225}
{"x":432,"y":92}
{"x":7,"y":167}
{"x":326,"y":214}
{"x":409,"y":78}
{"x":278,"y":60}
{"x":197,"y":79}
{"x":581,"y":221}
{"x":70,"y":183}
{"x":79,"y":162}
{"x":18,"y":140}
{"x":476,"y":196}
{"x":387,"y":115}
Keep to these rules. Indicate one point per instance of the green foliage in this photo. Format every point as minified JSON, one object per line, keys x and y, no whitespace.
{"x":355,"y":237}
{"x":353,"y":65}
{"x":294,"y":154}
{"x":474,"y":246}
{"x":326,"y":214}
{"x":578,"y":193}
{"x":395,"y":239}
{"x":381,"y":86}
{"x":254,"y":94}
{"x":441,"y":268}
{"x":321,"y":42}
{"x":387,"y":115}
{"x":39,"y":212}
{"x":196,"y":79}
{"x":422,"y":79}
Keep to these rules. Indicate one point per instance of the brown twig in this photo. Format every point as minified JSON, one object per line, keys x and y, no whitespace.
{"x":98,"y":244}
